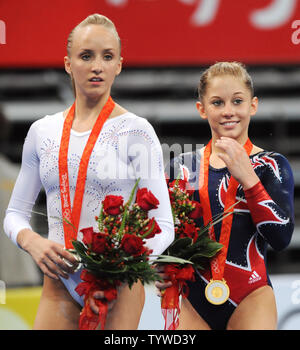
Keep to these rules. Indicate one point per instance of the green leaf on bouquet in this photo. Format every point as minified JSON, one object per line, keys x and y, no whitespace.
{"x":79,"y":247}
{"x":149,"y":231}
{"x":208,"y":251}
{"x":170,"y":259}
{"x":100,"y":219}
{"x":126,"y":206}
{"x":180,"y":244}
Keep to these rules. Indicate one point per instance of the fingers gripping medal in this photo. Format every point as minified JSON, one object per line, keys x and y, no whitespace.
{"x":217,"y":291}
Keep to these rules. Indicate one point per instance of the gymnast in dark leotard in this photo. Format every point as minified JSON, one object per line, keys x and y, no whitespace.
{"x":263,"y":215}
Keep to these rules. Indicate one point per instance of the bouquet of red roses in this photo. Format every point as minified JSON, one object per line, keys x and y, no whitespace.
{"x":114,"y":252}
{"x":191,"y":244}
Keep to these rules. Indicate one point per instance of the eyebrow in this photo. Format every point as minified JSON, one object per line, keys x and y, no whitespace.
{"x":236,"y":93}
{"x":86,"y":50}
{"x":89,"y":50}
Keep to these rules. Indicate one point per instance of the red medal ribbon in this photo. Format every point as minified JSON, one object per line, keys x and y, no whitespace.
{"x":70,"y":215}
{"x":218,"y":262}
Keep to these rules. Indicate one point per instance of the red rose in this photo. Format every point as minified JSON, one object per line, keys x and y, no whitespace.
{"x":197,"y":211}
{"x":190,"y":230}
{"x":132,"y":245}
{"x":146,"y":200}
{"x":113,"y":204}
{"x":87,"y":235}
{"x":99,"y":243}
{"x":183,"y":185}
{"x":156,"y":228}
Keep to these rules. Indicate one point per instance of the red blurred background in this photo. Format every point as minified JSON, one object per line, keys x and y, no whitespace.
{"x":155,"y":32}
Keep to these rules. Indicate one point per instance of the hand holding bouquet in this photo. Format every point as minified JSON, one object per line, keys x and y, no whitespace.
{"x":192,"y":244}
{"x":114,"y":251}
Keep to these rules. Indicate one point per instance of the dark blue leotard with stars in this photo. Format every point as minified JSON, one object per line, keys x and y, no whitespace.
{"x":264,"y":215}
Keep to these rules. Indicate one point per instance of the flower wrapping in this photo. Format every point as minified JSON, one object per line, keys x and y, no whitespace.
{"x":114,"y":252}
{"x":170,"y":305}
{"x":88,"y":319}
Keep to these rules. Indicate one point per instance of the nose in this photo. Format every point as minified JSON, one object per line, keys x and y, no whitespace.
{"x":227,"y":110}
{"x":97,"y":66}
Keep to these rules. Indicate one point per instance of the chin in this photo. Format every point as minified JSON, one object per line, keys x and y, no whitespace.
{"x":234,"y":135}
{"x":95,"y":95}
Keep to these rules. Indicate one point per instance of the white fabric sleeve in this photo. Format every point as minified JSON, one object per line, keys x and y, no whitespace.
{"x":146,"y":157}
{"x":26,"y":189}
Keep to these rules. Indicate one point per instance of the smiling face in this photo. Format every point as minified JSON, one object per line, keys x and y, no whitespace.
{"x":228,"y":106}
{"x":93,"y":61}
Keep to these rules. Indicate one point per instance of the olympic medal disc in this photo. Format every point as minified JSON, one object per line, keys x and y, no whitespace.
{"x":75,"y":267}
{"x":217,"y":292}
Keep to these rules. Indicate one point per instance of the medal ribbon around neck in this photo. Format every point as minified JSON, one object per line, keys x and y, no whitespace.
{"x":218,"y":262}
{"x":71,"y":217}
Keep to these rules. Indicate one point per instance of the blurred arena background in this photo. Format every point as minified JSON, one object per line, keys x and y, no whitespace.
{"x":166,"y":45}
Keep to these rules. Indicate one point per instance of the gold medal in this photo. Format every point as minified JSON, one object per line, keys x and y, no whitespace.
{"x":217,"y":292}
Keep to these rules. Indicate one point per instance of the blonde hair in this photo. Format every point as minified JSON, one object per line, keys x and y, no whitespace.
{"x":235,"y":69}
{"x":94,"y":19}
